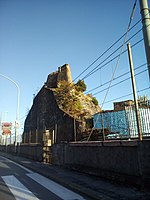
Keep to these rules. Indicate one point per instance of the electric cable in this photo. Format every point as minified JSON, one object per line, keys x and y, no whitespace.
{"x":120,"y":82}
{"x":112,"y":100}
{"x":131,"y":17}
{"x":95,"y":69}
{"x":107,"y":50}
{"x":114,"y":58}
{"x":115,"y":78}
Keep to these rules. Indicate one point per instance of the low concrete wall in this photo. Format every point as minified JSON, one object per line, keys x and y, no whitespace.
{"x":2,"y":148}
{"x":127,"y":161}
{"x":31,"y":151}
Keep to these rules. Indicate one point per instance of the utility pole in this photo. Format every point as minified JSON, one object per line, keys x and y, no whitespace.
{"x":146,"y":29}
{"x":134,"y":93}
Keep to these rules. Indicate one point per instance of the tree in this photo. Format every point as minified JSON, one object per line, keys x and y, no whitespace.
{"x":81,"y":86}
{"x":143,"y":101}
{"x":94,"y":100}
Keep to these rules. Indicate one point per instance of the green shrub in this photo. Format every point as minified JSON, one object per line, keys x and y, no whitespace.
{"x":94,"y":100}
{"x":81,"y":86}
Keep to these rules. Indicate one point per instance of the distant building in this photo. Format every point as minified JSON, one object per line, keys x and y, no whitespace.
{"x":122,"y":104}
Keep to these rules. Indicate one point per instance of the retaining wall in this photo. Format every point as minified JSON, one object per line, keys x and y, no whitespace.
{"x":31,"y":151}
{"x":127,"y":161}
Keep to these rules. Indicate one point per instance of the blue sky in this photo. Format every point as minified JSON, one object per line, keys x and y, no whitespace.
{"x":38,"y":36}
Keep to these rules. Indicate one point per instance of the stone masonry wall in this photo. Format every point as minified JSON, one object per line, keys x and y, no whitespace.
{"x":46,"y":115}
{"x":63,"y":73}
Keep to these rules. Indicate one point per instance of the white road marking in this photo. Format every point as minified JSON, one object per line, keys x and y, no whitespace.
{"x":57,"y":189}
{"x":14,"y":185}
{"x":28,"y":170}
{"x":19,"y":191}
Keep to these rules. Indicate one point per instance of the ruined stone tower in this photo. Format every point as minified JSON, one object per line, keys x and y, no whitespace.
{"x":63,"y":73}
{"x":48,"y":113}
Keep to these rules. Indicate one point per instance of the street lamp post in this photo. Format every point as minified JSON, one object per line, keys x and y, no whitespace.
{"x":18,"y":103}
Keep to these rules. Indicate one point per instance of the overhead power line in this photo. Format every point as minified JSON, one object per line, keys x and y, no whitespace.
{"x":96,"y":68}
{"x":120,"y":82}
{"x":112,"y":100}
{"x":106,"y":51}
{"x":115,"y":78}
{"x":121,"y":51}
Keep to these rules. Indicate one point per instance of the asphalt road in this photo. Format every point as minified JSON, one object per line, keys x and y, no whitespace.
{"x":20,"y":183}
{"x":15,"y":175}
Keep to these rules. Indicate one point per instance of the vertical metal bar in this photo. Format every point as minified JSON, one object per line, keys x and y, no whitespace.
{"x":148,"y":120}
{"x":53,"y":137}
{"x":134,"y":93}
{"x":36,"y":136}
{"x":75,"y":133}
{"x":30,"y":137}
{"x":24,"y":138}
{"x":126,"y":120}
{"x":103,"y":128}
{"x":55,"y":133}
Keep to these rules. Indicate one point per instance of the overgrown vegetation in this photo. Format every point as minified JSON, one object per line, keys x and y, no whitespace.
{"x":94,"y":100}
{"x":80,"y":86}
{"x":143,"y":101}
{"x":69,"y":97}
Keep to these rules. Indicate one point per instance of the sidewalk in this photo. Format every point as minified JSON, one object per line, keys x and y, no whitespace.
{"x":93,"y":187}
